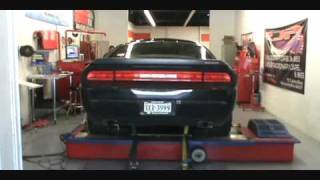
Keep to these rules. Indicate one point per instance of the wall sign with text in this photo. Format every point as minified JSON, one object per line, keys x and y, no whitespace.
{"x":285,"y":56}
{"x":48,"y":16}
{"x":83,"y":19}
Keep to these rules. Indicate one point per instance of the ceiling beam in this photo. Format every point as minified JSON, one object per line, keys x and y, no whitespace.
{"x":189,"y":17}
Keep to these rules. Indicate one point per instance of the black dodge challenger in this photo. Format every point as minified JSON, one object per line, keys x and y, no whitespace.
{"x":159,"y":83}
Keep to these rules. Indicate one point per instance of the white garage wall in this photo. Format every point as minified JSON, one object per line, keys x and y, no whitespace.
{"x":10,"y":131}
{"x":187,"y":33}
{"x":24,"y":30}
{"x":178,"y":32}
{"x":301,"y":111}
{"x":114,"y":23}
{"x":222,"y":23}
{"x":155,"y":32}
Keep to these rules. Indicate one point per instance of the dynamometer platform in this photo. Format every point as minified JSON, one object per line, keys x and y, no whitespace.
{"x":243,"y":145}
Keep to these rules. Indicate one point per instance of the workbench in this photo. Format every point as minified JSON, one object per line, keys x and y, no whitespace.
{"x":31,"y":87}
{"x":53,"y":78}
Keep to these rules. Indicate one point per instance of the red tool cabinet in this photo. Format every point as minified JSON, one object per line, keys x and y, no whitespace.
{"x":63,"y":85}
{"x":246,"y":68}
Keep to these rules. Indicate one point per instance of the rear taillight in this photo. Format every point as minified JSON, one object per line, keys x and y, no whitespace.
{"x":171,"y":76}
{"x":159,"y":76}
{"x":216,"y":77}
{"x":100,"y":75}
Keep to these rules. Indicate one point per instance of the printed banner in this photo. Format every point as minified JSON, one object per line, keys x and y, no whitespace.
{"x":49,"y":16}
{"x":285,"y":56}
{"x":83,"y":19}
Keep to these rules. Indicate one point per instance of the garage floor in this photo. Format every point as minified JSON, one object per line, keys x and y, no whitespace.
{"x":46,"y":140}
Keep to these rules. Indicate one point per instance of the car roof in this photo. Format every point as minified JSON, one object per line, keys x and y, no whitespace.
{"x":175,"y":40}
{"x":165,"y":40}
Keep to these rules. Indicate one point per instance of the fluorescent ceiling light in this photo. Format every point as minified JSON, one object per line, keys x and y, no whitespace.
{"x":189,"y":17}
{"x":149,"y":17}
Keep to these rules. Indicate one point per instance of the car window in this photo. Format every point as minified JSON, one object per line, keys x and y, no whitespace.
{"x":167,"y":49}
{"x":119,"y":51}
{"x":163,"y":50}
{"x":209,"y":55}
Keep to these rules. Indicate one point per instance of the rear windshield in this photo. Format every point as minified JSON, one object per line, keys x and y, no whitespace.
{"x":163,"y":50}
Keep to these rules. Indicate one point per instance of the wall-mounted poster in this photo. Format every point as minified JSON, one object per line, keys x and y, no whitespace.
{"x":285,"y":56}
{"x":246,"y":39}
{"x":84,"y":19}
{"x":50,"y":16}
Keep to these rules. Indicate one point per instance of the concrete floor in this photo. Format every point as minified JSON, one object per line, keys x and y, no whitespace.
{"x":46,"y":140}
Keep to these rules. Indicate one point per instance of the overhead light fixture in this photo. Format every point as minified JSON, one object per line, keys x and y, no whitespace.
{"x":189,"y":17}
{"x":149,"y":17}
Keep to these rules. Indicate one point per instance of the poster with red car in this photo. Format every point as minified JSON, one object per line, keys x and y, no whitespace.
{"x":285,"y":56}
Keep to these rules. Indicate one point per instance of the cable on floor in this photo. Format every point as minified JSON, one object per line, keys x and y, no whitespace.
{"x":44,"y":155}
{"x":50,"y":164}
{"x":46,"y":158}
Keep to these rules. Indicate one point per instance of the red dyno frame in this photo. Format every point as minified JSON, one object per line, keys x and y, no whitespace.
{"x":255,"y":149}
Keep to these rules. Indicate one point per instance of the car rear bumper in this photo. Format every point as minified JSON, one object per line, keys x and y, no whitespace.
{"x":125,"y":106}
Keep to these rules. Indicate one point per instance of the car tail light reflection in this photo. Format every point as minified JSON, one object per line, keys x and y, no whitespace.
{"x":158,"y":76}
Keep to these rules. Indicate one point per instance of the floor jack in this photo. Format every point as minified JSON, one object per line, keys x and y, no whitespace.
{"x":263,"y":140}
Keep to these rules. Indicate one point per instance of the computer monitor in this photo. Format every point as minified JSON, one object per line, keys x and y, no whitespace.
{"x":72,"y":52}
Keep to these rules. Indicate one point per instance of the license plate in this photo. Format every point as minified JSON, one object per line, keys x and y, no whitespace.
{"x":157,"y":107}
